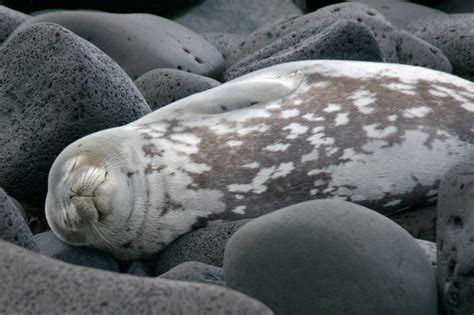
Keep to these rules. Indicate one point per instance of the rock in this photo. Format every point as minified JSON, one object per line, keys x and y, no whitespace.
{"x":456,"y":6}
{"x":205,"y":245}
{"x":50,"y":245}
{"x":9,"y":21}
{"x":419,"y":222}
{"x":454,"y":35}
{"x":397,"y":45}
{"x":343,"y":40}
{"x":13,"y":227}
{"x":161,"y":87}
{"x":141,"y":42}
{"x":54,"y":88}
{"x":195,"y":271}
{"x":224,"y":42}
{"x":330,"y":257}
{"x":35,"y":284}
{"x":139,"y":268}
{"x":238,"y":17}
{"x":430,"y":251}
{"x":456,"y":240}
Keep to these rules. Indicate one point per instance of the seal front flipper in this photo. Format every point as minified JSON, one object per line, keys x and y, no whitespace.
{"x":230,"y":96}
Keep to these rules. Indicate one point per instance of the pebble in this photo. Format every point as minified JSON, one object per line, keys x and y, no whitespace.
{"x":455,"y":240}
{"x":196,"y":272}
{"x":454,"y":35}
{"x":54,"y":88}
{"x":36,"y":284}
{"x":13,"y":227}
{"x":141,"y":42}
{"x":328,"y":256}
{"x":161,"y":87}
{"x":9,"y":21}
{"x":50,"y":245}
{"x":343,"y":40}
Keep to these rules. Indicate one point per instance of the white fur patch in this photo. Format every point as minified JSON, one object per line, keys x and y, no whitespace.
{"x":296,"y":130}
{"x":417,"y":112}
{"x":289,"y":113}
{"x":234,"y":143}
{"x":239,"y":209}
{"x":372,"y":131}
{"x":362,"y":99}
{"x":277,"y":147}
{"x":341,"y":119}
{"x":332,"y":108}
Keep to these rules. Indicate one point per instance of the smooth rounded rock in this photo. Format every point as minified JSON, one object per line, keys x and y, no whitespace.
{"x":55,"y":88}
{"x":36,"y":284}
{"x":455,"y":241}
{"x":430,"y":251}
{"x":454,"y":35}
{"x":164,"y":86}
{"x":343,"y":40}
{"x":13,"y":227}
{"x":330,"y":257}
{"x":141,"y":42}
{"x":50,"y":245}
{"x":9,"y":21}
{"x":205,"y":245}
{"x":196,"y":272}
{"x":224,"y":42}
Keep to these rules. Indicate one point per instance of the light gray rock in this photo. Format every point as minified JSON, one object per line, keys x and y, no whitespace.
{"x":36,"y":284}
{"x":141,"y":42}
{"x":238,"y":17}
{"x":430,"y":251}
{"x":50,"y":245}
{"x":161,"y":87}
{"x":454,"y":35}
{"x":330,"y":257}
{"x":13,"y":227}
{"x":9,"y":21}
{"x":226,"y":43}
{"x":455,"y":240}
{"x":55,"y":87}
{"x":196,"y":272}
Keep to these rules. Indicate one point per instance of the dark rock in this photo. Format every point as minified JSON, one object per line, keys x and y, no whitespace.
{"x":35,"y":284}
{"x":397,"y":45}
{"x":456,"y":6}
{"x":330,"y":257}
{"x":196,"y":272}
{"x":50,"y":245}
{"x":54,"y":88}
{"x":139,"y":268}
{"x":454,"y":35}
{"x":9,"y":21}
{"x":164,"y":86}
{"x":141,"y":42}
{"x":238,"y":17}
{"x":456,"y":240}
{"x":13,"y":227}
{"x":343,"y":40}
{"x":419,"y":222}
{"x":204,"y":245}
{"x":430,"y":251}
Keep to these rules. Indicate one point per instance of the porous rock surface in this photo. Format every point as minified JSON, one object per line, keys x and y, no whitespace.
{"x":196,"y":272}
{"x":9,"y":21}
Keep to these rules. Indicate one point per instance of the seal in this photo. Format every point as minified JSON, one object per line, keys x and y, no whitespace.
{"x":380,"y":135}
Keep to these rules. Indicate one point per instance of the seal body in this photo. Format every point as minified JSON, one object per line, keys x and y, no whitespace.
{"x":380,"y":135}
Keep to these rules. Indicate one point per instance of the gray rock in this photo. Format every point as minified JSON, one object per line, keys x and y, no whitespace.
{"x":456,"y":240}
{"x":141,"y":42}
{"x":195,"y":271}
{"x":419,"y":222}
{"x":13,"y":227}
{"x":430,"y":251}
{"x":454,"y":35}
{"x":343,"y":40}
{"x":238,"y":17}
{"x":139,"y":268}
{"x":35,"y":284}
{"x":54,"y":88}
{"x":204,"y":245}
{"x":9,"y":21}
{"x":330,"y":257}
{"x":397,"y":45}
{"x":50,"y":245}
{"x":224,"y":42}
{"x":161,"y":87}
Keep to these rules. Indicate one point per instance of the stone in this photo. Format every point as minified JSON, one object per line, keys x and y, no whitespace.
{"x":430,"y":251}
{"x":205,"y":245}
{"x":141,"y":42}
{"x":330,"y":257}
{"x":9,"y":21}
{"x":237,"y":17}
{"x":224,"y":42}
{"x":13,"y":227}
{"x":454,"y":35}
{"x":343,"y":40}
{"x":195,"y":271}
{"x":55,"y":88}
{"x":161,"y":87}
{"x":50,"y":245}
{"x":455,"y":242}
{"x":419,"y":222}
{"x":139,"y":268}
{"x":456,"y":6}
{"x":36,"y":284}
{"x":398,"y":46}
